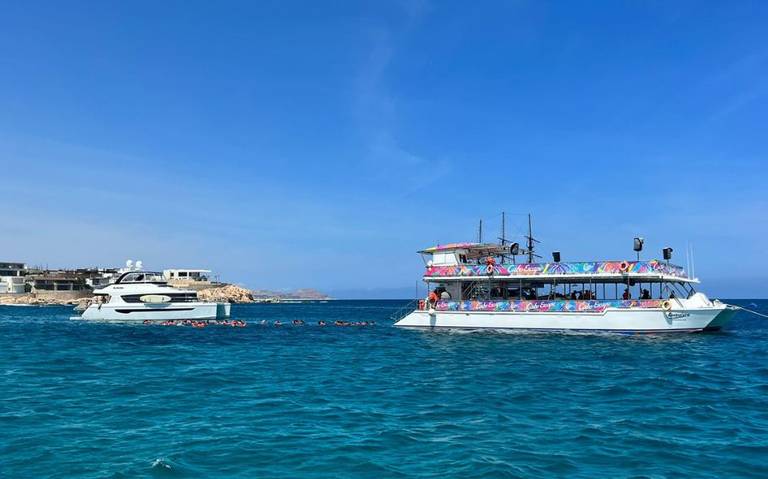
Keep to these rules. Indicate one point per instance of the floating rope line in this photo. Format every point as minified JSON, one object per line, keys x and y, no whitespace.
{"x":750,"y":311}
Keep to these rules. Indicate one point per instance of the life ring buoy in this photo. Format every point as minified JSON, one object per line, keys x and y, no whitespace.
{"x":489,"y":269}
{"x":624,"y":267}
{"x":666,"y":305}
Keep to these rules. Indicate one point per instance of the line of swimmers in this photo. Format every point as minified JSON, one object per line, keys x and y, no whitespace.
{"x":235,"y":323}
{"x":241,"y":324}
{"x":300,"y":322}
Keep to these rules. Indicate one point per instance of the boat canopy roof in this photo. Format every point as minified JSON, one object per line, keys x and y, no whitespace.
{"x":472,"y":250}
{"x":609,"y":271}
{"x":141,"y":277}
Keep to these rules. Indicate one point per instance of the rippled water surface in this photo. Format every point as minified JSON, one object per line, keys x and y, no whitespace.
{"x":91,"y":400}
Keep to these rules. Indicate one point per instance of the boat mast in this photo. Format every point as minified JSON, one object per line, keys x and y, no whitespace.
{"x":503,"y":228}
{"x":480,"y":232}
{"x":503,"y":233}
{"x":530,"y":240}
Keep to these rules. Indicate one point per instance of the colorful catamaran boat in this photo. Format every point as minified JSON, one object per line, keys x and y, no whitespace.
{"x":475,"y":286}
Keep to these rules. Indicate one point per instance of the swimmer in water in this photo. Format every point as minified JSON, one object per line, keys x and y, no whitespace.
{"x":278,"y":323}
{"x":321,"y":323}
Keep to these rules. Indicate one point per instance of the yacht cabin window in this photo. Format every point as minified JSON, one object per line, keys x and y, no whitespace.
{"x":142,"y":277}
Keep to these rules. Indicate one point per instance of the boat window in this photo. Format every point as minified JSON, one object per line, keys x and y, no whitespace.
{"x":137,"y":277}
{"x":673,"y":290}
{"x":680,"y":290}
{"x":175,"y":297}
{"x":477,"y":290}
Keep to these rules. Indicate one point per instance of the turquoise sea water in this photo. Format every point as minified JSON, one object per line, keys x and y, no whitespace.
{"x":110,"y":401}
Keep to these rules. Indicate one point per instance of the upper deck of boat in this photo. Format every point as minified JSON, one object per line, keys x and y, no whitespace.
{"x":459,"y":261}
{"x":141,"y":277}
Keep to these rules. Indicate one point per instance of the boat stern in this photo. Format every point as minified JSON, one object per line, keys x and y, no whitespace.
{"x":222,"y":310}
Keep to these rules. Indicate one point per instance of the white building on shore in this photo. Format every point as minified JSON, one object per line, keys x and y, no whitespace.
{"x":188,"y":278}
{"x":12,"y":278}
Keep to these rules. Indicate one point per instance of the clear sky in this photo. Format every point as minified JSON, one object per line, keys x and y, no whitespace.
{"x":320,"y":144}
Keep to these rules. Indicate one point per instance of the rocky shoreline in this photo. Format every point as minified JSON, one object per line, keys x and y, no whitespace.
{"x":226,"y":294}
{"x":30,"y":299}
{"x":219,"y":294}
{"x":222,"y":294}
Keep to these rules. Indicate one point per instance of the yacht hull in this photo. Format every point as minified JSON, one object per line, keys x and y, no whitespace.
{"x":198,"y":311}
{"x":611,"y":320}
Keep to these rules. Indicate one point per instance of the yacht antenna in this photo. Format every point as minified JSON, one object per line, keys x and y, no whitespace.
{"x":693,"y":263}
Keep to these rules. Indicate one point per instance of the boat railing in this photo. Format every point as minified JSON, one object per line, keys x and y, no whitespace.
{"x":545,"y":305}
{"x":584,"y":268}
{"x":405,"y":310}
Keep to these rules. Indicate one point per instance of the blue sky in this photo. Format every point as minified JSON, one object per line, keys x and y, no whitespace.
{"x":320,"y":144}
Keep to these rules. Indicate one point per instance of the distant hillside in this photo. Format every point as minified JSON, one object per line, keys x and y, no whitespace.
{"x":378,"y":293}
{"x":304,"y":293}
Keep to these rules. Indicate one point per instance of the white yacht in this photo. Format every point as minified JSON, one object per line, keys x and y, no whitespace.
{"x":145,"y":296}
{"x":476,"y":286}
